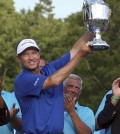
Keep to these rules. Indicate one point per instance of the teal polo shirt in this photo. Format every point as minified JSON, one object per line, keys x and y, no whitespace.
{"x":85,"y":114}
{"x":9,"y":99}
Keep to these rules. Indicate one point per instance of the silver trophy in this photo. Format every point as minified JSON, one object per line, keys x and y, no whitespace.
{"x":96,"y":16}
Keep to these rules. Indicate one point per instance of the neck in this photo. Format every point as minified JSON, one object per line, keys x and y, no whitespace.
{"x":36,"y":71}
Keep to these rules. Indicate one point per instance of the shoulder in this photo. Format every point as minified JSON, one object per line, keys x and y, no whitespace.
{"x":109,"y":92}
{"x":107,"y":96}
{"x":88,"y":110}
{"x":8,"y":98}
{"x":22,"y":75}
{"x":84,"y":109}
{"x":6,"y":93}
{"x":25,"y":78}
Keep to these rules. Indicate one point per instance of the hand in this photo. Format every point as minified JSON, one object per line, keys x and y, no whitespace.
{"x":13,"y":111}
{"x":85,"y":49}
{"x":110,"y":12}
{"x":116,"y":88}
{"x":69,"y":103}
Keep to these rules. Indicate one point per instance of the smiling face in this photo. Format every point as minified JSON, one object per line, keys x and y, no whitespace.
{"x":30,"y":59}
{"x":72,"y":87}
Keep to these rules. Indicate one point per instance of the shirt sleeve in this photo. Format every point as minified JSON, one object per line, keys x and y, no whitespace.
{"x":61,"y":62}
{"x":102,"y":104}
{"x":106,"y":116}
{"x":90,"y":119}
{"x":29,"y":84}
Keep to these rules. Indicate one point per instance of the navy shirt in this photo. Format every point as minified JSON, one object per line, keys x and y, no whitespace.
{"x":101,"y":107}
{"x":42,"y":110}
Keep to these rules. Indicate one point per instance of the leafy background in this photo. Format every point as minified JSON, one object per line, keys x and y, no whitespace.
{"x":55,"y":37}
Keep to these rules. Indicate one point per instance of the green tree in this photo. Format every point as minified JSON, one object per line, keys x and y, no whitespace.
{"x":44,"y":7}
{"x":9,"y":32}
{"x":100,"y":68}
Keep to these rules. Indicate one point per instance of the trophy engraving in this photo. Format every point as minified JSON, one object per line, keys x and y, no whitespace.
{"x":96,"y":16}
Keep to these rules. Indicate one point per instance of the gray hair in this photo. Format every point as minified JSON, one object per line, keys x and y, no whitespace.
{"x":75,"y":77}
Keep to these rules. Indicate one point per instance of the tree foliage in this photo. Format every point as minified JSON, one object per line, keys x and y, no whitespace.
{"x":55,"y":37}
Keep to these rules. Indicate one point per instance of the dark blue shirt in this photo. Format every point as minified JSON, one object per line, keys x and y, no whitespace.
{"x":42,"y":110}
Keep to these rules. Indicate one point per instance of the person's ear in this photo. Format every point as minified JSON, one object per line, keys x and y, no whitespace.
{"x":18,"y":58}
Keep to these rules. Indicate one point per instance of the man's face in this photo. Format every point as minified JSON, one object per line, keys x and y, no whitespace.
{"x":72,"y":87}
{"x":30,"y":59}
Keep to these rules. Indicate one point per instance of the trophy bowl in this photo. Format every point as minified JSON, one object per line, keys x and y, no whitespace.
{"x":96,"y":16}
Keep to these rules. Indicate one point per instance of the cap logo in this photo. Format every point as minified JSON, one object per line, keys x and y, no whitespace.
{"x":35,"y":84}
{"x":27,"y":42}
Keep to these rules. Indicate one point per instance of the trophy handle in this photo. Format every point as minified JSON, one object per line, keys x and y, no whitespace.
{"x":85,"y":10}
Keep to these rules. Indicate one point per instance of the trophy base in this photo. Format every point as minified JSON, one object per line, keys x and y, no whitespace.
{"x":99,"y":46}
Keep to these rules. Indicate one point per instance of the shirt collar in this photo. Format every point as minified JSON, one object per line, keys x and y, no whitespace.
{"x":76,"y":105}
{"x":2,"y":92}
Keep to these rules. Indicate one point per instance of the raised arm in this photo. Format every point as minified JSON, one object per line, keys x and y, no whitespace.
{"x":60,"y":75}
{"x":116,"y":88}
{"x":108,"y":113}
{"x":82,"y":41}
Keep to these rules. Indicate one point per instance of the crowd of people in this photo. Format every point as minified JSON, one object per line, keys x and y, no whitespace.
{"x":45,"y":97}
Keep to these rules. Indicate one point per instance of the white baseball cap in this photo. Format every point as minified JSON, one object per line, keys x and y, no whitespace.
{"x":26,"y":43}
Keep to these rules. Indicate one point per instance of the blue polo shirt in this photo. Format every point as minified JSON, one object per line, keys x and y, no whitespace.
{"x":102,"y":131}
{"x":42,"y":110}
{"x":85,"y":114}
{"x":9,"y":99}
{"x":102,"y":104}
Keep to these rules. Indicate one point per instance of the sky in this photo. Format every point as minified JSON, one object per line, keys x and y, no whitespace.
{"x":62,"y":8}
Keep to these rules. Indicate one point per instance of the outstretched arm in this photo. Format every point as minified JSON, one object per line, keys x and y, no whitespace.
{"x":80,"y":50}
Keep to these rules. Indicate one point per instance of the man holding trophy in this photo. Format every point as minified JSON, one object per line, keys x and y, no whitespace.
{"x":45,"y":86}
